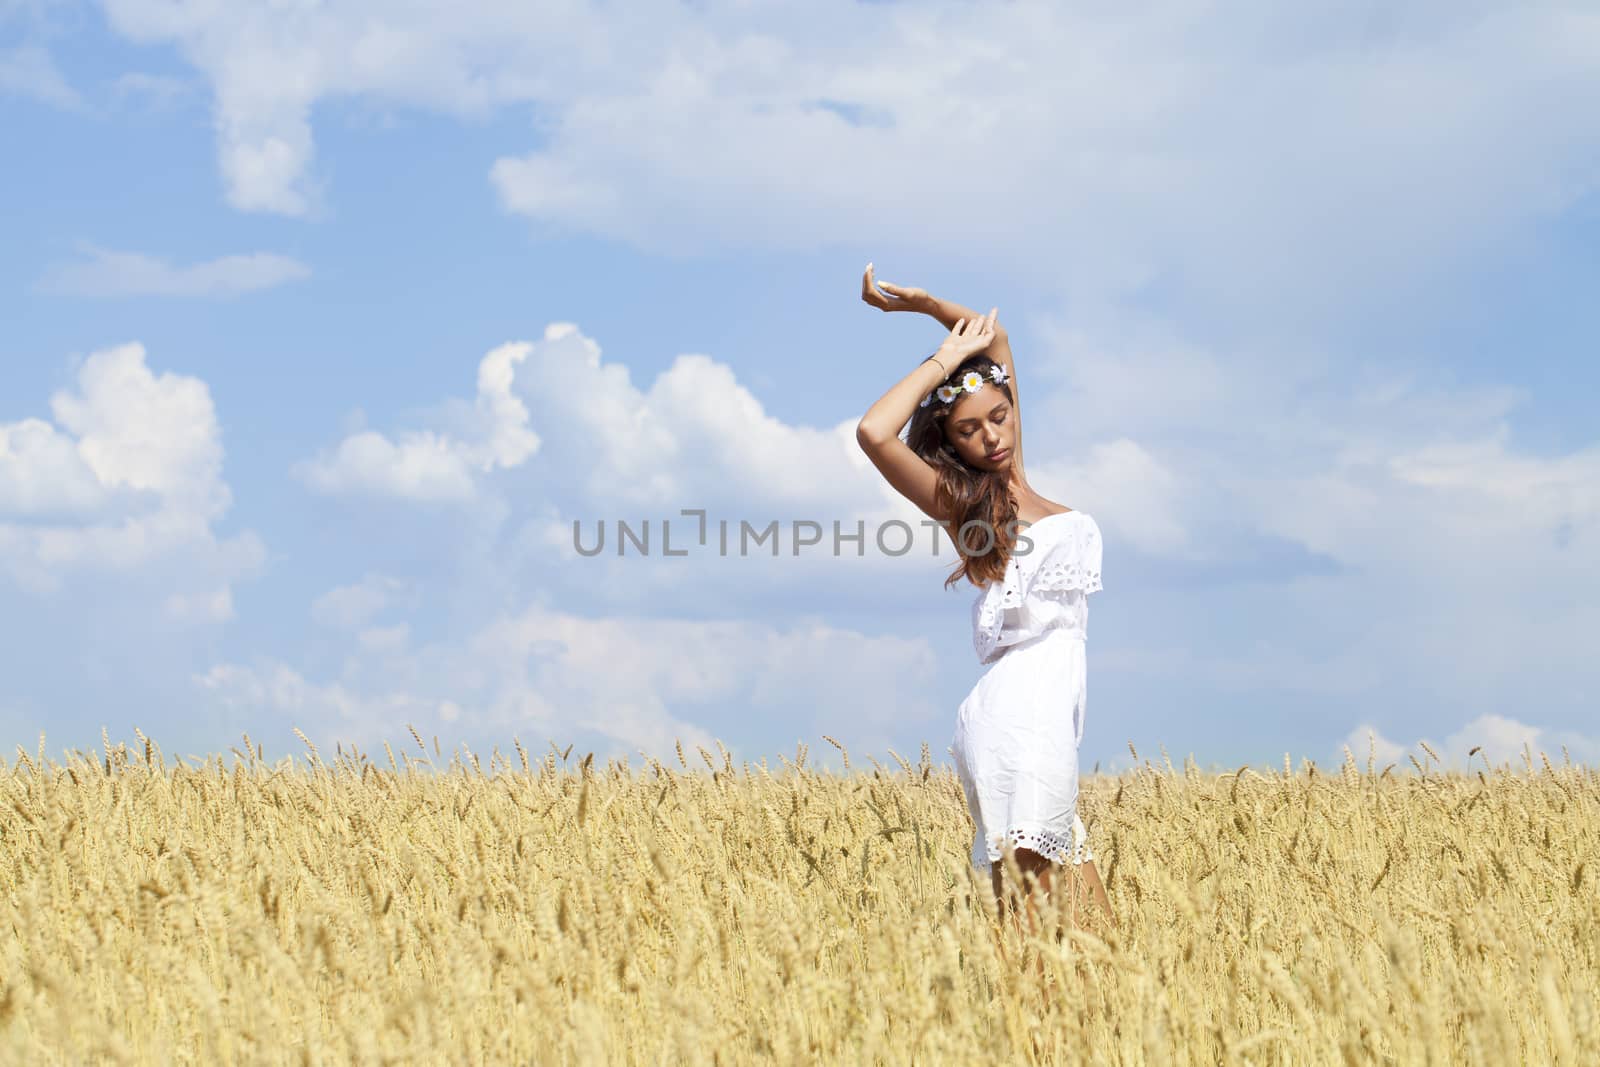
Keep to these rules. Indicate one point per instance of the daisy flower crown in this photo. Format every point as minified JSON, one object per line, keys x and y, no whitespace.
{"x":969,"y":382}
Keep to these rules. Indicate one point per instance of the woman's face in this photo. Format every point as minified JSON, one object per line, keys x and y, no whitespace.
{"x":980,"y":427}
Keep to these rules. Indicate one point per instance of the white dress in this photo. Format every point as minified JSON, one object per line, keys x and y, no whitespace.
{"x":1017,"y":731}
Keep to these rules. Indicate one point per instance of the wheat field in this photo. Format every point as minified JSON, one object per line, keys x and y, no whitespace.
{"x":414,"y":909}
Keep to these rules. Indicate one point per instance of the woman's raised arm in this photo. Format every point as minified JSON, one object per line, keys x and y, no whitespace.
{"x":878,"y":432}
{"x":889,"y":297}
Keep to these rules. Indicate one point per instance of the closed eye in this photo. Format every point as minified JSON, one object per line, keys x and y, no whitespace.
{"x":969,"y":431}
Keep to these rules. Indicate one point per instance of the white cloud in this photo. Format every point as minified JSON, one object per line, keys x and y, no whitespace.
{"x":1120,"y":478}
{"x":641,"y":682}
{"x":1489,"y":740}
{"x":146,"y":432}
{"x":351,"y":606}
{"x":422,"y":466}
{"x":591,"y":656}
{"x":30,"y":71}
{"x":611,"y":451}
{"x":696,"y":436}
{"x":1340,"y":528}
{"x":320,"y":710}
{"x":129,"y":476}
{"x":1368,"y":745}
{"x":1114,"y":155}
{"x":42,"y":473}
{"x":1327,"y":535}
{"x":507,"y":440}
{"x":111,"y":273}
{"x":1110,"y":147}
{"x":436,"y":466}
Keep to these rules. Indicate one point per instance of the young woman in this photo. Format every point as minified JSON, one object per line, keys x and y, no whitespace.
{"x":1034,"y":563}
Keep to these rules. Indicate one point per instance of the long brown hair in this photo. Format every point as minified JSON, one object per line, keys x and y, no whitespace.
{"x":964,"y":493}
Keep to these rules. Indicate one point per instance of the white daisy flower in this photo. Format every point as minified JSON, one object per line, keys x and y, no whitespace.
{"x":925,"y":401}
{"x":998,"y":373}
{"x":948,"y":393}
{"x":972,"y":382}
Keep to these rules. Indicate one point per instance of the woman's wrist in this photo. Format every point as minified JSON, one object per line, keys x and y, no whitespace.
{"x":946,"y":312}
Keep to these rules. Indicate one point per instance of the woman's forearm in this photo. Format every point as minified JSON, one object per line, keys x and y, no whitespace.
{"x":894,"y":409}
{"x":947,"y":312}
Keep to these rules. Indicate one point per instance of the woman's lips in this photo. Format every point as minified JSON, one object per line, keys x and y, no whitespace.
{"x":1000,"y":454}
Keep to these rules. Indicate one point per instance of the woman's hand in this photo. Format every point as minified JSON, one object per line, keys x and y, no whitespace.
{"x":886,"y":297}
{"x":968,"y":337}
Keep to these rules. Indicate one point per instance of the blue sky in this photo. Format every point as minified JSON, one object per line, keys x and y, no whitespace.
{"x":323,"y":324}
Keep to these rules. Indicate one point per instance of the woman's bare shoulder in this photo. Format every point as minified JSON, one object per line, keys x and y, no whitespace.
{"x":1042,"y":508}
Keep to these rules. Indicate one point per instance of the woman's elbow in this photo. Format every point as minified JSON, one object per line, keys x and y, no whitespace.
{"x":868,"y":436}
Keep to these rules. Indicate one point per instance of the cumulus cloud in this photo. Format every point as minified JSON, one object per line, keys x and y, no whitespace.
{"x":110,"y":273}
{"x":1123,"y":478}
{"x":1489,"y":740}
{"x":1339,"y":529}
{"x":1353,"y":512}
{"x":603,"y":661}
{"x":321,"y":710}
{"x":421,"y":466}
{"x":1367,"y":744}
{"x":695,"y":436}
{"x":42,"y":473}
{"x":1437,"y":559}
{"x":128,"y":475}
{"x":637,"y":683}
{"x":1122,"y":145}
{"x":148,"y":432}
{"x":431,"y":465}
{"x":613,"y":451}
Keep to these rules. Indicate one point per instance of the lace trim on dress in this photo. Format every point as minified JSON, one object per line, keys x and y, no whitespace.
{"x":990,"y":609}
{"x":1070,"y":561}
{"x":1067,"y":574}
{"x":1061,"y":848}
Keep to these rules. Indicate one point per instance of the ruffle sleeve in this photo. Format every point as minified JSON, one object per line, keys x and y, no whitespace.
{"x":1072,"y":561}
{"x":1068,"y":558}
